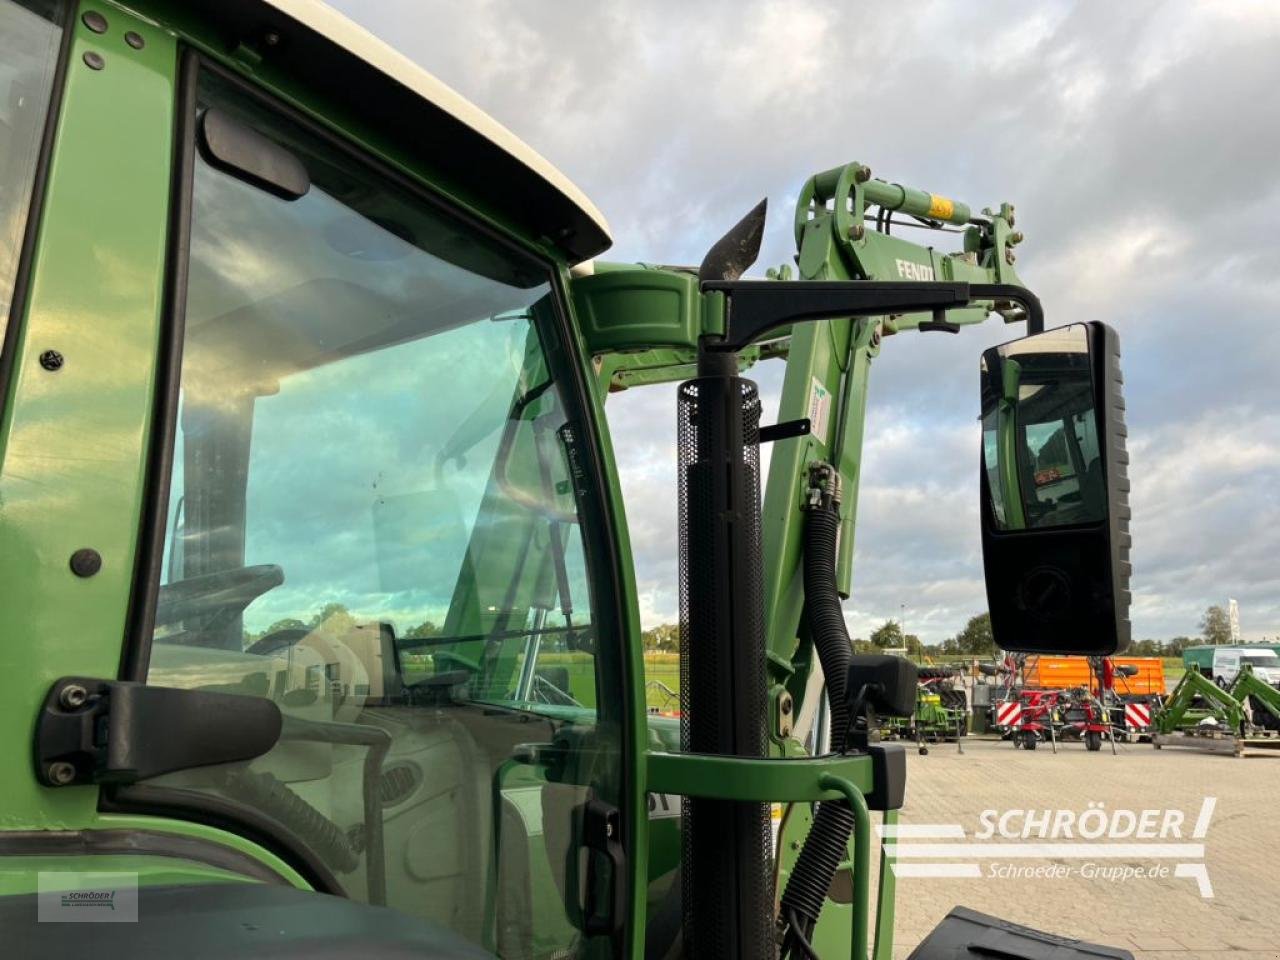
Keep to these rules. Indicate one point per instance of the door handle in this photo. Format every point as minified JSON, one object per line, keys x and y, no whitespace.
{"x":606,"y":895}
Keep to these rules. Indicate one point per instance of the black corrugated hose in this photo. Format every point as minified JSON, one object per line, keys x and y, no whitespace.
{"x":825,"y":846}
{"x":265,"y":792}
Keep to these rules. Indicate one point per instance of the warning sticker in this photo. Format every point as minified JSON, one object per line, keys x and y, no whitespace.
{"x":941,"y":208}
{"x":819,"y":411}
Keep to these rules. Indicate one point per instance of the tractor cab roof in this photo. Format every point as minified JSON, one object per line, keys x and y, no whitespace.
{"x":345,"y":64}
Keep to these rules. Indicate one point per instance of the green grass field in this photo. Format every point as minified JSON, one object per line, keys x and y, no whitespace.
{"x":659,"y":668}
{"x":664,"y":669}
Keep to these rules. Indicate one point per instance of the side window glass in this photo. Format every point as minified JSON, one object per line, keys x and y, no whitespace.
{"x":29,"y":41}
{"x":373,"y":521}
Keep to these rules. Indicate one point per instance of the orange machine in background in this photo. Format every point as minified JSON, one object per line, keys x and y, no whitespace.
{"x":1052,"y":673}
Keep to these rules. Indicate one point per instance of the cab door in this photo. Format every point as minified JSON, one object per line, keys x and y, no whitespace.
{"x":373,"y":511}
{"x":286,"y":424}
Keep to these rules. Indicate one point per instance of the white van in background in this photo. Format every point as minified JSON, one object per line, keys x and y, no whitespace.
{"x":1227,"y":662}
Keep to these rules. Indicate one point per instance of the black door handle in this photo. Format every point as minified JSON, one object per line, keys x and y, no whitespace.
{"x":606,"y":895}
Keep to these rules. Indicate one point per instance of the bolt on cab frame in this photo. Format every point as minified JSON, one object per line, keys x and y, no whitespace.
{"x":313,"y":557}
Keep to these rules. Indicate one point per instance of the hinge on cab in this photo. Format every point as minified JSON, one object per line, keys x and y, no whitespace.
{"x":111,"y":731}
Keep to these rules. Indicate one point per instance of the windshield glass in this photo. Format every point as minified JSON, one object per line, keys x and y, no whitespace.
{"x":29,"y":39}
{"x":372,"y":521}
{"x":1261,"y":659}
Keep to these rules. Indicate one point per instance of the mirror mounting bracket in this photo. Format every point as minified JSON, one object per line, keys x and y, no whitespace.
{"x":755,"y":307}
{"x":105,"y":731}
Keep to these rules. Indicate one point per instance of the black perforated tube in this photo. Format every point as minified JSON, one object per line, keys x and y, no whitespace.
{"x":825,"y":846}
{"x":726,"y":865}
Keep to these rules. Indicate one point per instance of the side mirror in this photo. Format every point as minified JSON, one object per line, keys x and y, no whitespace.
{"x":1055,"y":492}
{"x":886,"y":684}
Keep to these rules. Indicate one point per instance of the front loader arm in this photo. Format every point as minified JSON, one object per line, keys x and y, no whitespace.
{"x":829,"y":363}
{"x":643,"y":324}
{"x":1174,"y":713}
{"x":1248,"y":685}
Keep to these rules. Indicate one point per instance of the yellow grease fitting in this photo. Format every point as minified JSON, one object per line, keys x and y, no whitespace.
{"x":940,"y":208}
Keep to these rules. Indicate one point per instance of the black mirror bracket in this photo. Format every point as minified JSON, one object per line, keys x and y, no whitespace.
{"x":108,"y":731}
{"x":753,"y":308}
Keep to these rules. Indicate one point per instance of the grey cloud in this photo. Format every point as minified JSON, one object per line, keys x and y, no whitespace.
{"x":1138,"y":141}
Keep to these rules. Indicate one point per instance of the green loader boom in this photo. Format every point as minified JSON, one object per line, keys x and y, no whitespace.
{"x":1248,"y":688}
{"x":1181,"y":711}
{"x":843,"y":221}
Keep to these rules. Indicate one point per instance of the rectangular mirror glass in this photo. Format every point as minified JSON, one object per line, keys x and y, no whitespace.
{"x":1040,"y":432}
{"x":1055,"y":492}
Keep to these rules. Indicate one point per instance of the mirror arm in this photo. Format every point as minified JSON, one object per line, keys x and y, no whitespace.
{"x":756,"y":307}
{"x":1010,"y":291}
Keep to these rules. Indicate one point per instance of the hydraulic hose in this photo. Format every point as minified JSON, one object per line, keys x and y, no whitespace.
{"x":265,"y":792}
{"x":828,"y":838}
{"x":275,"y":798}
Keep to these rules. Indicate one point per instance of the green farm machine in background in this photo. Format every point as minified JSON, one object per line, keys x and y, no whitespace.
{"x":941,"y":710}
{"x":315,"y":569}
{"x":1203,"y":715}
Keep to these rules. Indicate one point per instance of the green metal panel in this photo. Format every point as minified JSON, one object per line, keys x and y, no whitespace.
{"x":1200,"y":657}
{"x":886,"y":893}
{"x":635,"y":739}
{"x":813,"y":379}
{"x":757,"y":780}
{"x":630,"y":309}
{"x":200,"y":831}
{"x":621,"y":371}
{"x":74,"y":441}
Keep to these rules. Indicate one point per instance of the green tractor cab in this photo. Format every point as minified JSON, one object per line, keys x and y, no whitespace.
{"x":318,"y":603}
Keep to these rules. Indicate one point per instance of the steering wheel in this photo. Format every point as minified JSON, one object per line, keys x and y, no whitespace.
{"x":218,"y":596}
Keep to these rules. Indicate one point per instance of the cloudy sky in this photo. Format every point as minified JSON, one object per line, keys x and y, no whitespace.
{"x":1138,"y":140}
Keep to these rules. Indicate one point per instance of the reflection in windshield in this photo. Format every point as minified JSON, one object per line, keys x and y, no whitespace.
{"x":29,"y":38}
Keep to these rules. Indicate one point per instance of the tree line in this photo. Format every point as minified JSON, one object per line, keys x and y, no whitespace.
{"x":976,"y":638}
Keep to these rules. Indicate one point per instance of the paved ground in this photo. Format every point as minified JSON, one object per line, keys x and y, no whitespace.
{"x":1155,"y":917}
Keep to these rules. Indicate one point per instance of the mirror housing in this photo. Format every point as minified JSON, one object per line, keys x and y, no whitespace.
{"x":1055,"y":493}
{"x":886,"y":684}
{"x":626,"y":310}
